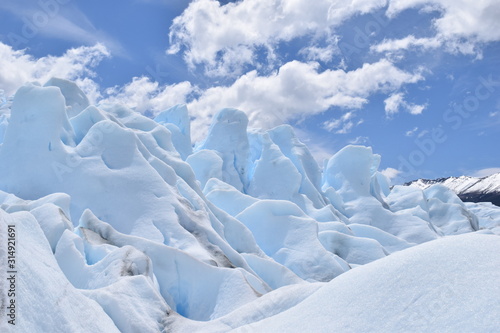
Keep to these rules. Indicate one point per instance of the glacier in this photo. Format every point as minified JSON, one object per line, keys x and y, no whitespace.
{"x":125,"y":226}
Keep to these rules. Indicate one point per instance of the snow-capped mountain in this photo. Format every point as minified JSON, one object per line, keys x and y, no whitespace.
{"x":470,"y":189}
{"x":117,"y":224}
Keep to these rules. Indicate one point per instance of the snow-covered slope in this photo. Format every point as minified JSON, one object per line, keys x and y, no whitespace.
{"x":449,"y":285}
{"x":471,"y":189}
{"x":120,"y":214}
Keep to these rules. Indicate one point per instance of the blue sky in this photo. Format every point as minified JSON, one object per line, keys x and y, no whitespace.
{"x":417,"y":80}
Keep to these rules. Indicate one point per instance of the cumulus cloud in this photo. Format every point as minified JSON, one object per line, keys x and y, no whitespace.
{"x":295,"y":91}
{"x":225,"y":38}
{"x":396,"y":102}
{"x":464,"y":25}
{"x":477,"y":20}
{"x":230,"y":40}
{"x":391,"y":173}
{"x":148,"y":97}
{"x":75,"y":64}
{"x":298,"y":90}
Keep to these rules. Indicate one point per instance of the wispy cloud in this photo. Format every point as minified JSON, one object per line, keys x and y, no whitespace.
{"x":342,"y":125}
{"x":61,"y":21}
{"x":360,"y":140}
{"x":391,"y":45}
{"x":84,"y":32}
{"x":412,"y":131}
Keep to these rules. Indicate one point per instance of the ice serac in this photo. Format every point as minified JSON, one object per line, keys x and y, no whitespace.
{"x":228,"y":136}
{"x":304,"y":162}
{"x":273,"y":176}
{"x":352,"y":173}
{"x":438,"y":205}
{"x":279,"y":171}
{"x":290,"y":237}
{"x":37,"y":128}
{"x":206,"y":164}
{"x":46,"y":300}
{"x":141,"y":181}
{"x":190,"y":287}
{"x":176,"y":119}
{"x":448,"y":213}
{"x":488,"y":215}
{"x":75,"y":100}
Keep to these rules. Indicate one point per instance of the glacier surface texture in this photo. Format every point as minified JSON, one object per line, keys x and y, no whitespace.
{"x":124,"y":226}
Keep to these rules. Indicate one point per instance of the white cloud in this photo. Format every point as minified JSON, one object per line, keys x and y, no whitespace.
{"x":298,"y":90}
{"x":316,"y":53}
{"x":396,"y":102}
{"x":393,"y":103}
{"x":485,"y":172}
{"x":477,"y":20}
{"x":77,"y":64}
{"x":148,"y":97}
{"x":225,"y":38}
{"x":422,"y":134}
{"x":411,"y":132}
{"x":390,"y":45}
{"x":90,"y":88}
{"x":360,"y":140}
{"x":342,"y":125}
{"x":295,"y":91}
{"x":18,"y":67}
{"x":391,"y":173}
{"x":463,"y":25}
{"x":415,"y":108}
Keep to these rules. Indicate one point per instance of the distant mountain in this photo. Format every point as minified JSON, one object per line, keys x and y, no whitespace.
{"x":470,"y":189}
